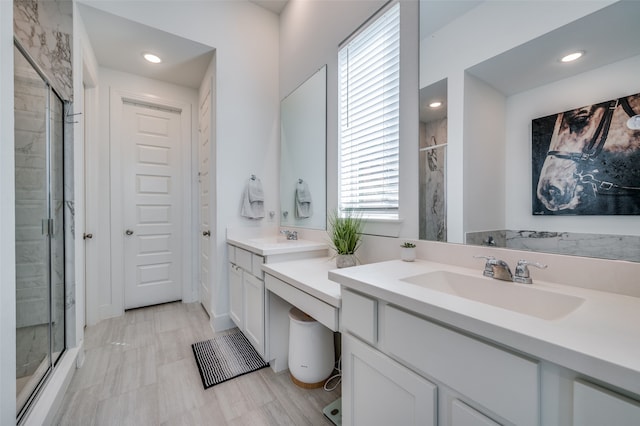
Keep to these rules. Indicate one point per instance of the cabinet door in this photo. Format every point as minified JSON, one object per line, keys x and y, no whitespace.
{"x":593,"y":405}
{"x":236,"y":295}
{"x":463,"y":415}
{"x":378,"y":391}
{"x":254,"y":311}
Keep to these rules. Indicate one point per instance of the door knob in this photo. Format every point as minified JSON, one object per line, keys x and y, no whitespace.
{"x":87,"y":236}
{"x":206,"y":233}
{"x":128,"y":232}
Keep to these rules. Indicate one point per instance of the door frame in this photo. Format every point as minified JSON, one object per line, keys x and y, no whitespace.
{"x":117,"y":97}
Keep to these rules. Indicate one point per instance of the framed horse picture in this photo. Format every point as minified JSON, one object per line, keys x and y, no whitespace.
{"x":586,"y":161}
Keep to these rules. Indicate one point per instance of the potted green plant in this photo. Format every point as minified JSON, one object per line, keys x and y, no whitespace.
{"x":408,"y":252}
{"x":345,"y":233}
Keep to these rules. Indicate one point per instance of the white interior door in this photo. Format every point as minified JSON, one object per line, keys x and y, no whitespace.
{"x":204,"y":174}
{"x":152,"y":204}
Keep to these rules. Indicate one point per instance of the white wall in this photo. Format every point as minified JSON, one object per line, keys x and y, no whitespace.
{"x":608,"y":82}
{"x":310,"y":35}
{"x":245,"y":37}
{"x":7,"y":222}
{"x":484,"y":156}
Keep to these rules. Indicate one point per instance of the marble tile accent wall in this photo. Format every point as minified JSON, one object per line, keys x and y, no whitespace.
{"x":44,"y":29}
{"x":432,"y":181}
{"x":621,"y":247}
{"x":31,"y":193}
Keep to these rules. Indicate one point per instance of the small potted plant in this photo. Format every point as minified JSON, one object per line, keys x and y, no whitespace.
{"x":345,"y":234}
{"x":408,"y":252}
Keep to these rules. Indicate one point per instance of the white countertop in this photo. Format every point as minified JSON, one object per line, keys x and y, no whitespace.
{"x":310,"y":276}
{"x":273,"y":245}
{"x":601,"y":338}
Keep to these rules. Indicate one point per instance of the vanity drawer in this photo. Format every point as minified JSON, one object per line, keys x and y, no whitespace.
{"x":231,"y":252}
{"x":243,"y":259}
{"x":256,"y":265}
{"x":360,"y":316}
{"x":501,"y":381}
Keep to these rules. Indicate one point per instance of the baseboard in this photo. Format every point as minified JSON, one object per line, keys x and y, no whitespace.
{"x":45,"y":408}
{"x":221,"y":322}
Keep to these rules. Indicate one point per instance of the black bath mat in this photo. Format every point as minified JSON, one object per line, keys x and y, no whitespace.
{"x":225,"y":357}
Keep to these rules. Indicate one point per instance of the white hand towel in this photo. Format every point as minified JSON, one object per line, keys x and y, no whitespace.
{"x":304,"y":208}
{"x":255,"y":190}
{"x":253,"y":200}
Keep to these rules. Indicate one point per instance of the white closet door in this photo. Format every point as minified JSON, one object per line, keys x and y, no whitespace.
{"x":152,"y":205}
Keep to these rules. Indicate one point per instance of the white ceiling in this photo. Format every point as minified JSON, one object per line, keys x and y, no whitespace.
{"x":608,"y":35}
{"x":275,"y":6}
{"x":119,"y":44}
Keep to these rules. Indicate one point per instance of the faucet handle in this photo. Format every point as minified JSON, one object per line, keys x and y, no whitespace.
{"x":522,"y":274}
{"x":488,"y":266}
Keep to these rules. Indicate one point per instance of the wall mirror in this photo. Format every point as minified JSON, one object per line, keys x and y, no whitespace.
{"x":476,"y":184}
{"x":303,"y":139}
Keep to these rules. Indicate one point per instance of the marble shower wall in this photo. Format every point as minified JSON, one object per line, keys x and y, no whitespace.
{"x":32,"y":293}
{"x":622,"y":247}
{"x":44,"y":29}
{"x":433,"y":212}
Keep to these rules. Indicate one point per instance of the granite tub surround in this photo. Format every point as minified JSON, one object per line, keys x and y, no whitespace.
{"x":605,"y":246}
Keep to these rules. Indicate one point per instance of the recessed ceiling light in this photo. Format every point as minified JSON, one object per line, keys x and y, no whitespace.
{"x":154,"y":59}
{"x":435,"y":104}
{"x":572,"y":56}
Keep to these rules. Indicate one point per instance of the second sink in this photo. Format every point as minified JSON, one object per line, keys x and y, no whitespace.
{"x":525,"y":300}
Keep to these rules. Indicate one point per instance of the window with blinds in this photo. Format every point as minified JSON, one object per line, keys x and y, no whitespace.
{"x":369,"y":76}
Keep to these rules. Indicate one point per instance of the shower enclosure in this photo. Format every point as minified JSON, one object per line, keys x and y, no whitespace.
{"x":39,"y":188}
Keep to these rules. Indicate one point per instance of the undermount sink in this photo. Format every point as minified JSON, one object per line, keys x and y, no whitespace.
{"x":524,"y":299}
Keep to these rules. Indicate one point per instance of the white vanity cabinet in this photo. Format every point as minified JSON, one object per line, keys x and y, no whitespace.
{"x":236,"y":295}
{"x":403,"y":366}
{"x":246,"y":295}
{"x":397,"y":355}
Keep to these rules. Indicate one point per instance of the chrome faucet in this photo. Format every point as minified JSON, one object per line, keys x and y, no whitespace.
{"x":496,"y":268}
{"x":522,"y":271}
{"x":291,"y":235}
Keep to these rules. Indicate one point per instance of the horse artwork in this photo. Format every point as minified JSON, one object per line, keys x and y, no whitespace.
{"x":586,"y":161}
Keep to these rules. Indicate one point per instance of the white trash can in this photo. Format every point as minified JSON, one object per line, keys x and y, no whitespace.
{"x":311,"y":353}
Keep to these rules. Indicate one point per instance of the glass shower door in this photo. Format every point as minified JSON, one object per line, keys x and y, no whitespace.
{"x":56,"y":187}
{"x":39,"y":206}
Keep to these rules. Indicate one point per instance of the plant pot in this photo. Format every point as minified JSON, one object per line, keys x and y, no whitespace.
{"x":408,"y":254}
{"x":345,"y":260}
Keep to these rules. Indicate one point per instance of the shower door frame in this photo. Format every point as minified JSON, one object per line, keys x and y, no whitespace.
{"x":51,"y":92}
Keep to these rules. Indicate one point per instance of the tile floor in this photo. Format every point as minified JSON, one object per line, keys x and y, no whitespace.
{"x":140,"y":370}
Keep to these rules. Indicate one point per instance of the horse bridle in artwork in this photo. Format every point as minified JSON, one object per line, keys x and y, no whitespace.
{"x":594,"y":148}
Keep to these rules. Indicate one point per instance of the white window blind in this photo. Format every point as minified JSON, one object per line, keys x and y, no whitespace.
{"x":369,"y":112}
